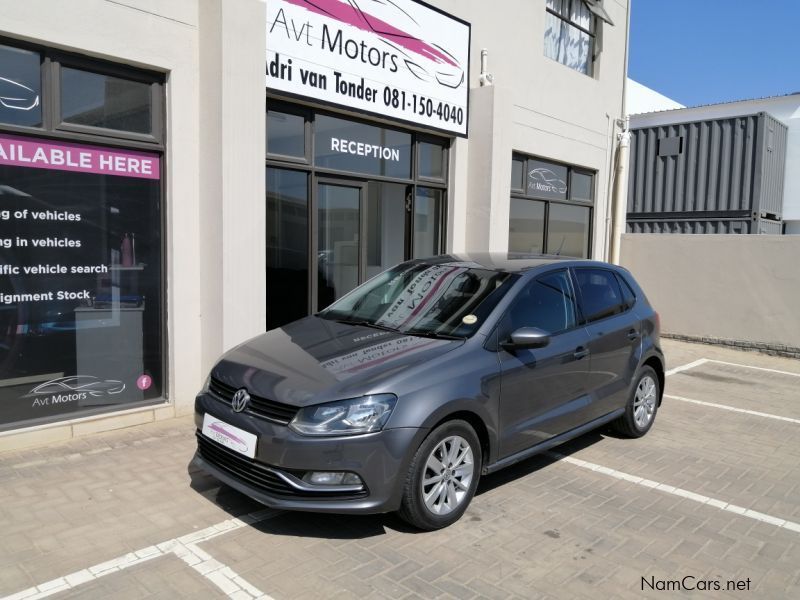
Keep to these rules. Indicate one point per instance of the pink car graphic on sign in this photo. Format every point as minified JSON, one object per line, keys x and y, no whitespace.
{"x":425,"y":60}
{"x":219,"y":427}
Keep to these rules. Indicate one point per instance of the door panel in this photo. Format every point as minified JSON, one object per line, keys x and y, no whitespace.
{"x":614,"y":338}
{"x":613,"y":345}
{"x":338,"y":227}
{"x":427,"y":222}
{"x":287,"y":246}
{"x":543,"y":390}
{"x":385,"y":231}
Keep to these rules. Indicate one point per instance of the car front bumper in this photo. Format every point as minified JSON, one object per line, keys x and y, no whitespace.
{"x":380,"y":459}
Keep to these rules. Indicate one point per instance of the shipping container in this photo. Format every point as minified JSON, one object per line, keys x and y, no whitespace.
{"x":709,"y":171}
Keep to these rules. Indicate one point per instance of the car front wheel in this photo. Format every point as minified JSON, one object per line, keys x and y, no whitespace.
{"x":442,"y":477}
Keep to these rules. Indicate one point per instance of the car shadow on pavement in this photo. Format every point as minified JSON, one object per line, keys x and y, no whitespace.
{"x":540,"y":461}
{"x":349,"y":527}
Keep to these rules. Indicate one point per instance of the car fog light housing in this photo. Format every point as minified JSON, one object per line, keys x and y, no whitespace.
{"x":332,"y":478}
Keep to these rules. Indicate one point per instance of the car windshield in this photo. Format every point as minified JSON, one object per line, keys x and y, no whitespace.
{"x":449,"y":300}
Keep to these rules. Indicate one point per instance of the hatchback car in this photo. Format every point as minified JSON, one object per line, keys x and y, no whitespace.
{"x":403,"y":393}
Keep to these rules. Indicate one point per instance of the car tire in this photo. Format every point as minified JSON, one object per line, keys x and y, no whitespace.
{"x":642,"y":406}
{"x":442,"y":477}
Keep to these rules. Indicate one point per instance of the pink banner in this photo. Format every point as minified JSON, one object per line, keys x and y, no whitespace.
{"x":65,"y":156}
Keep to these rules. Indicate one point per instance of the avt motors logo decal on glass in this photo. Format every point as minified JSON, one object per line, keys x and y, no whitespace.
{"x":17,"y":96}
{"x":395,"y":58}
{"x":544,"y":180}
{"x":73,"y":389}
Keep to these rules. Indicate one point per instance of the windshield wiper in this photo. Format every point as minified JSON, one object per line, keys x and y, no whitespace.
{"x":367,"y":324}
{"x":434,"y":335}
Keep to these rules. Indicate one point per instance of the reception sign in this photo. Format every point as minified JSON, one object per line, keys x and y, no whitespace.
{"x":401,"y":59}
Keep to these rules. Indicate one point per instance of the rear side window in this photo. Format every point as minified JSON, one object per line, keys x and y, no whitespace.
{"x":547,"y":303}
{"x":600,"y":292}
{"x":628,"y":297}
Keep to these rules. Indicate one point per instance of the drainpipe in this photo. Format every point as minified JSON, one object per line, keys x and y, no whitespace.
{"x":620,"y":193}
{"x":621,"y":177}
{"x":486,"y":78}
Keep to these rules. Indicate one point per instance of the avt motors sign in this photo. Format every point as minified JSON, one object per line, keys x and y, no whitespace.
{"x":398,"y":59}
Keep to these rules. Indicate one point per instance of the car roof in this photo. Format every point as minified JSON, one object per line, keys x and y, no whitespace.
{"x":509,"y":262}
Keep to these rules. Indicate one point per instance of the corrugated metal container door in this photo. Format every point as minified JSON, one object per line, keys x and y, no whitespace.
{"x":769,"y":195}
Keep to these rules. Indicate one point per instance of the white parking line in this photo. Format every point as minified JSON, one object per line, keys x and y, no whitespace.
{"x":668,"y":489}
{"x":225,"y":578}
{"x":702,"y":361}
{"x":755,"y":413}
{"x":184,"y":547}
{"x":730,"y":364}
{"x":686,"y":367}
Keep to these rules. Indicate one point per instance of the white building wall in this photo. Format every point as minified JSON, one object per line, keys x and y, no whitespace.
{"x":642,"y":99}
{"x":536,"y":106}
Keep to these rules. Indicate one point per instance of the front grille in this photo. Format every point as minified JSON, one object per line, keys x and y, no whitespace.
{"x":257,"y":475}
{"x":258,"y":406}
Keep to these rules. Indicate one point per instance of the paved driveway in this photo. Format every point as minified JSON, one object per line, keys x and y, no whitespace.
{"x":709,"y":499}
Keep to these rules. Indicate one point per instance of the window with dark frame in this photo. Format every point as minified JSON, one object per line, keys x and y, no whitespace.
{"x":404,"y":179}
{"x":82,"y":311}
{"x":570,"y":34}
{"x":550,"y":208}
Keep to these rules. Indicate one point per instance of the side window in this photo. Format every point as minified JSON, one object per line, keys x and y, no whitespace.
{"x":547,"y":303}
{"x":628,"y":297}
{"x":601,"y":296}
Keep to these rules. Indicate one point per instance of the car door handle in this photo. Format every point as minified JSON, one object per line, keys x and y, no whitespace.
{"x":633,"y":334}
{"x":580,"y":353}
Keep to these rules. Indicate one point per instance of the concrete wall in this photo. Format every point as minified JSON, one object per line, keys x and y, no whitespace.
{"x":730,"y":287}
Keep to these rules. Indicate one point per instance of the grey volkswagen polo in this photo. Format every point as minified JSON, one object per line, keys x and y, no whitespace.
{"x":403,"y":393}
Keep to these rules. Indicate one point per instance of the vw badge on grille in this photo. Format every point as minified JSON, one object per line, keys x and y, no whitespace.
{"x":240,"y":400}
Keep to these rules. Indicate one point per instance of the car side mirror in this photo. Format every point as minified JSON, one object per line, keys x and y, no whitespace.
{"x":527,"y":337}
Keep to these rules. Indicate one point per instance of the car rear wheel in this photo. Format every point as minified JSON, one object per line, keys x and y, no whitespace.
{"x":640,"y":412}
{"x":442,"y":477}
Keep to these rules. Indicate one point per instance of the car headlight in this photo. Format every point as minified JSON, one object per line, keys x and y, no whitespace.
{"x":345,"y":417}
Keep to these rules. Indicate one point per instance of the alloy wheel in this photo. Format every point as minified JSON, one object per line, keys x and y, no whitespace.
{"x":644,"y":403}
{"x":447,"y":475}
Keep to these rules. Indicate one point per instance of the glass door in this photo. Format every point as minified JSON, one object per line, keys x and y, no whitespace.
{"x":338,"y":238}
{"x":386,"y":226}
{"x":365,"y":227}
